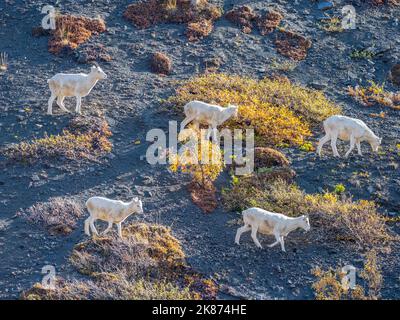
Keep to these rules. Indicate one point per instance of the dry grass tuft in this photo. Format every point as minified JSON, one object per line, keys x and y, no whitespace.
{"x":374,"y":95}
{"x":292,"y":45}
{"x":200,"y":19}
{"x":278,"y":110}
{"x":161,"y":63}
{"x":148,"y":263}
{"x":58,"y":215}
{"x":72,"y":31}
{"x":332,"y":216}
{"x":84,"y":138}
{"x":329,"y":284}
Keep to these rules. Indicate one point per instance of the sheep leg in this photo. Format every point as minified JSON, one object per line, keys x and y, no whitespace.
{"x":87,"y":222}
{"x":60,"y":102}
{"x":240,"y":231}
{"x":50,"y":104}
{"x":333,"y":145}
{"x":92,"y":227}
{"x":278,"y":240}
{"x":78,"y":104}
{"x":282,"y":241}
{"x":185,"y":122}
{"x":110,"y":223}
{"x":119,"y":229}
{"x":359,"y":148}
{"x":214,"y":133}
{"x":254,"y":236}
{"x":352,"y":144}
{"x":321,"y":143}
{"x":209,"y":131}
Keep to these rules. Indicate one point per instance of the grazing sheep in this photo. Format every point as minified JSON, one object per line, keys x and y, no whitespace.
{"x":265,"y":222}
{"x":346,"y":128}
{"x":111,"y":211}
{"x":213,"y":115}
{"x":73,"y":85}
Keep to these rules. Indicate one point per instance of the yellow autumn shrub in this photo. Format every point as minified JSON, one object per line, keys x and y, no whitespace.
{"x":278,"y":110}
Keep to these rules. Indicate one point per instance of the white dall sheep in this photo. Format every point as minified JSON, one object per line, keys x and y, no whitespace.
{"x":346,"y":128}
{"x":73,"y":85}
{"x":212,"y":115}
{"x":111,"y":211}
{"x":265,"y":222}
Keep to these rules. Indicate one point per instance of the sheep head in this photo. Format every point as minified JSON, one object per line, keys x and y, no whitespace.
{"x":98,"y":72}
{"x":305,"y":223}
{"x":136,"y":205}
{"x":375,"y":142}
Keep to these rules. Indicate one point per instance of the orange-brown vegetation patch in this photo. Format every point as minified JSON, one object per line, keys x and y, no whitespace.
{"x":199,"y":19}
{"x":292,"y":45}
{"x":198,"y":30}
{"x":268,"y":23}
{"x":161,"y":63}
{"x":204,"y":196}
{"x":71,"y":31}
{"x":245,"y":17}
{"x":268,"y":157}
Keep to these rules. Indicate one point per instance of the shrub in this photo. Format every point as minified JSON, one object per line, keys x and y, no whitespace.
{"x":199,"y":29}
{"x":333,"y":24}
{"x":268,"y":157}
{"x":58,"y":215}
{"x":292,"y":45}
{"x":341,"y":219}
{"x":269,"y":22}
{"x":200,"y":19}
{"x":245,"y":17}
{"x":339,"y":188}
{"x":161,"y":63}
{"x":148,"y":263}
{"x":329,"y":283}
{"x":242,"y":16}
{"x":82,"y":139}
{"x":275,"y":108}
{"x":375,"y":94}
{"x":72,"y":31}
{"x":204,"y":162}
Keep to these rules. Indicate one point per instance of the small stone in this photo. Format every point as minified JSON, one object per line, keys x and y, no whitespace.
{"x":325,"y":5}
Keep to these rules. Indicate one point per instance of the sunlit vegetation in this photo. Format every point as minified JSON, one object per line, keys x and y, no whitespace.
{"x":199,"y":19}
{"x":148,"y":263}
{"x":292,"y":45}
{"x":246,"y":18}
{"x":375,"y":95}
{"x":279,"y":111}
{"x":204,"y":163}
{"x":331,"y":284}
{"x":84,"y":138}
{"x":71,"y":31}
{"x":336,"y":217}
{"x":333,"y":24}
